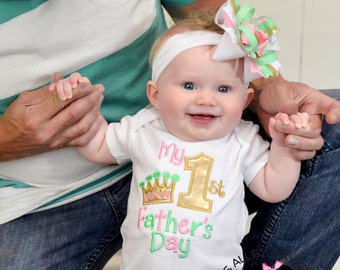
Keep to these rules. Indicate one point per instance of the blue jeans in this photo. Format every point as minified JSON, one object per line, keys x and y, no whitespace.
{"x":80,"y":235}
{"x":303,"y":231}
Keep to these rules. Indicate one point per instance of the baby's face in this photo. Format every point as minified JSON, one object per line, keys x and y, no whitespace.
{"x":199,"y":98}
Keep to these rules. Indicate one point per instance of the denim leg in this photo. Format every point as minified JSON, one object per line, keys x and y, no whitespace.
{"x":304,"y":230}
{"x":80,"y":235}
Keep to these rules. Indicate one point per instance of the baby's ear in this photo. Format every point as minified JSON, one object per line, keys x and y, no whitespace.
{"x":152,"y":93}
{"x":248,"y":98}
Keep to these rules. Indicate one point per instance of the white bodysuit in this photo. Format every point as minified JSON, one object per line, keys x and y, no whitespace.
{"x":186,"y":207}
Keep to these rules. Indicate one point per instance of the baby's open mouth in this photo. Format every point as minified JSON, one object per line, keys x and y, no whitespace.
{"x":202,"y":118}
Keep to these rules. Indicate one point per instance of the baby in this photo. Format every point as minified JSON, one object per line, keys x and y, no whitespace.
{"x":191,"y":151}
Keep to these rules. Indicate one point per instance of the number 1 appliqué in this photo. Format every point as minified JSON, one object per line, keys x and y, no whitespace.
{"x":196,"y":197}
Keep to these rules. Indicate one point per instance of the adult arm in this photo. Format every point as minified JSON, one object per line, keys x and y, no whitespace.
{"x":275,"y":95}
{"x":38,"y":121}
{"x":180,"y":12}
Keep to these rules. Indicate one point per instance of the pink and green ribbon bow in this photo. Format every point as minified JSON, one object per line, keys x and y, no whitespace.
{"x":249,"y":36}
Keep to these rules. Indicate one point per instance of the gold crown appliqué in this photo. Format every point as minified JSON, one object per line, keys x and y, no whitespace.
{"x":159,"y":187}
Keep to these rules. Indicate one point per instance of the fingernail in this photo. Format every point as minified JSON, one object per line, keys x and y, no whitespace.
{"x":293,"y":141}
{"x":280,"y":125}
{"x":100,"y":89}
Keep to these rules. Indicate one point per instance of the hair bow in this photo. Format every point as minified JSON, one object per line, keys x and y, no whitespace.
{"x":249,"y":36}
{"x":277,"y":265}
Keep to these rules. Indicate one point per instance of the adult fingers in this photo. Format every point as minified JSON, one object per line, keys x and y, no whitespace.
{"x":316,"y":102}
{"x":90,"y":133}
{"x":330,"y":108}
{"x":303,"y":148}
{"x":302,"y":154}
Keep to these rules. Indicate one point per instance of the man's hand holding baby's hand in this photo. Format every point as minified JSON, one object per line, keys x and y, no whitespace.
{"x":39,"y":121}
{"x":283,"y":127}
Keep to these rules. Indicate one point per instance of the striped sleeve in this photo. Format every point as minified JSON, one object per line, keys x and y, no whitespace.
{"x":177,"y":3}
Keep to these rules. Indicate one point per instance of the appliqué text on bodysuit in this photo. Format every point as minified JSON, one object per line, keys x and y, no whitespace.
{"x":167,"y":231}
{"x":162,"y":222}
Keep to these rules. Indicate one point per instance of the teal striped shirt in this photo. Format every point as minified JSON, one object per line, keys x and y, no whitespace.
{"x":107,"y":41}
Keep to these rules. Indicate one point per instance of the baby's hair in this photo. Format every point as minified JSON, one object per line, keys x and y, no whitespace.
{"x":202,"y":20}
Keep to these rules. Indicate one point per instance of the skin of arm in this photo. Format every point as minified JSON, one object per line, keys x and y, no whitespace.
{"x":96,"y":150}
{"x":39,"y":121}
{"x":278,"y":178}
{"x":180,"y":12}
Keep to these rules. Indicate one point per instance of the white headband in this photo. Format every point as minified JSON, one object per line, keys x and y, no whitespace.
{"x":179,"y":43}
{"x":246,"y":36}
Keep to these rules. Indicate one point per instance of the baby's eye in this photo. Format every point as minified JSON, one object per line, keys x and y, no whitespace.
{"x":223,"y":89}
{"x":189,"y":86}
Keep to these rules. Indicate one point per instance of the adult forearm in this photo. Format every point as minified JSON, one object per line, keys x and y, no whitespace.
{"x":178,"y":13}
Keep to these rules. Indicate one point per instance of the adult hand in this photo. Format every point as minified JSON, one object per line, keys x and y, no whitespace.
{"x":39,"y":121}
{"x":280,"y":95}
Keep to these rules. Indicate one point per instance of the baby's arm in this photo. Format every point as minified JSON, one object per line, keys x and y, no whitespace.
{"x":277,"y":179}
{"x":96,"y":150}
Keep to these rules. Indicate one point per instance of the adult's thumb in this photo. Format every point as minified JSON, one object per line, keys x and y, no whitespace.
{"x":57,"y":76}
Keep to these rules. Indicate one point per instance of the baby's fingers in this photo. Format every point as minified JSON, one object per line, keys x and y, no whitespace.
{"x":301,"y":120}
{"x":84,"y":80}
{"x":74,"y":79}
{"x":64,"y":89}
{"x":282,"y":117}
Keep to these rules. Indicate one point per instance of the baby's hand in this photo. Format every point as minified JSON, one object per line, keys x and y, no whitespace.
{"x":301,"y":120}
{"x":64,"y":88}
{"x":296,"y":121}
